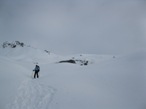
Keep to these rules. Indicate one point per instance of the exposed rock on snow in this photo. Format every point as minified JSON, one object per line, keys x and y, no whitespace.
{"x":81,"y":62}
{"x":13,"y":44}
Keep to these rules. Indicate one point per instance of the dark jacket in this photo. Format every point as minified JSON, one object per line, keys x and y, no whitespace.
{"x":37,"y":68}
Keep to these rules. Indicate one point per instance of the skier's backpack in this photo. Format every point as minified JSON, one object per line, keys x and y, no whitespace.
{"x":37,"y":68}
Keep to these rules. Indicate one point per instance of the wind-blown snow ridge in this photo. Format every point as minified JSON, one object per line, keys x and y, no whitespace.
{"x":32,"y":95}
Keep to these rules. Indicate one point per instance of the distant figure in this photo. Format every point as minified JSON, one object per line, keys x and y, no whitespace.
{"x":37,"y":69}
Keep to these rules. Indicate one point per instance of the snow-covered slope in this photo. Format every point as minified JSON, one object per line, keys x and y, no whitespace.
{"x":26,"y":53}
{"x":19,"y":91}
{"x":108,"y":83}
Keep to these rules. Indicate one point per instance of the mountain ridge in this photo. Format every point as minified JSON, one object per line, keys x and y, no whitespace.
{"x":21,"y":52}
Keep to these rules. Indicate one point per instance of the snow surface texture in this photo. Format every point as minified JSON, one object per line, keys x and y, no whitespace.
{"x":106,"y":83}
{"x":32,"y":95}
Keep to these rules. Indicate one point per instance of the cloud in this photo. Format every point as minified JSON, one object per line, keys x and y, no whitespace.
{"x":79,"y":26}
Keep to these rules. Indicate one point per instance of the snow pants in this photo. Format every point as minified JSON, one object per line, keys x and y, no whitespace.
{"x":36,"y":74}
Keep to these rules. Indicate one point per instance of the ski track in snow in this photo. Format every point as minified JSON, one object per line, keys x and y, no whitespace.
{"x":32,"y":95}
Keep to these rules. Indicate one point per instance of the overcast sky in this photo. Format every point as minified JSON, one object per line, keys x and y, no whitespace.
{"x":75,"y":26}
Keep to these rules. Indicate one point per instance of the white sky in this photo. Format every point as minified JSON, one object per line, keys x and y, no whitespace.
{"x":75,"y":26}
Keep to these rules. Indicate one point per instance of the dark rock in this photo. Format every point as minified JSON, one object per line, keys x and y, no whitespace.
{"x":68,"y":61}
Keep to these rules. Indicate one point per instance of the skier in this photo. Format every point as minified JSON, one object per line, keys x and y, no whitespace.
{"x":37,"y":69}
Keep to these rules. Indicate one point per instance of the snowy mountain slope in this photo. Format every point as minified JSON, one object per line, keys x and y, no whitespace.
{"x":114,"y":84}
{"x":26,"y":53}
{"x":32,"y":95}
{"x":11,"y":75}
{"x":30,"y":54}
{"x":109,"y":83}
{"x":92,"y":58}
{"x":19,"y":91}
